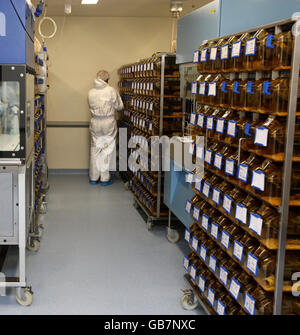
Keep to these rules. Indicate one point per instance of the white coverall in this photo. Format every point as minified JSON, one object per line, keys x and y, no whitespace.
{"x":104,"y":100}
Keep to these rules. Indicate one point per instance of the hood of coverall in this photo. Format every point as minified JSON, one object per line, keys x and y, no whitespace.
{"x":100,"y":84}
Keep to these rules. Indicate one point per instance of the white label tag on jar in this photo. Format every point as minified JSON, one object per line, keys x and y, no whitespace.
{"x":206,"y":189}
{"x":220,"y":308}
{"x":202,"y":88}
{"x":212,"y":263}
{"x":187,"y":235}
{"x":241,"y":213}
{"x":218,"y":161}
{"x":258,"y":180}
{"x":214,"y":230}
{"x":211,"y":296}
{"x":196,"y":213}
{"x":200,"y":152}
{"x":188,"y":206}
{"x":250,"y":48}
{"x":223,"y":275}
{"x":216,"y":196}
{"x":213,"y":53}
{"x":252,"y":263}
{"x":234,"y":288}
{"x":203,"y":252}
{"x":201,"y":284}
{"x":150,"y":126}
{"x":256,"y":223}
{"x":208,"y":155}
{"x":249,"y":304}
{"x":200,"y":122}
{"x":204,"y":222}
{"x":227,"y":203}
{"x":193,"y":118}
{"x":220,"y":126}
{"x":238,"y":250}
{"x":212,"y":89}
{"x":193,"y":272}
{"x":231,"y":128}
{"x":194,"y":87}
{"x":203,"y":55}
{"x":198,"y":183}
{"x":210,"y":122}
{"x":243,"y":172}
{"x":224,"y":52}
{"x":236,"y":49}
{"x":225,"y":240}
{"x":196,"y":56}
{"x":229,"y":166}
{"x":261,"y":136}
{"x":186,"y":262}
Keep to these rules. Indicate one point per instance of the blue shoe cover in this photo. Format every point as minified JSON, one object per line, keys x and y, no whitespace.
{"x":93,"y":182}
{"x":106,"y":183}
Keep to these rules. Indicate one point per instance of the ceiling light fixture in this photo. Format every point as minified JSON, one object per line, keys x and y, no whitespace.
{"x":89,"y":2}
{"x":176,"y":7}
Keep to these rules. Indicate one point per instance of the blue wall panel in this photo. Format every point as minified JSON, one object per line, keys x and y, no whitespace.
{"x":202,"y":24}
{"x":239,"y":15}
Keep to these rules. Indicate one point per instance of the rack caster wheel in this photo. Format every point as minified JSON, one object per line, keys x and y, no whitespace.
{"x":172,"y":235}
{"x":188,"y":302}
{"x":27,"y":297}
{"x":40,"y":231}
{"x":135,"y":205}
{"x":34,"y":245}
{"x":149,"y":224}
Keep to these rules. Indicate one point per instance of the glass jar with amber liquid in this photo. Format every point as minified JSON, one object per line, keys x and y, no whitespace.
{"x":237,"y":52}
{"x":283,"y":43}
{"x":227,"y":61}
{"x":251,"y":49}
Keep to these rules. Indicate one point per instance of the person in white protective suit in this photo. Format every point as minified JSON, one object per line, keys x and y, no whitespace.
{"x":104,"y":101}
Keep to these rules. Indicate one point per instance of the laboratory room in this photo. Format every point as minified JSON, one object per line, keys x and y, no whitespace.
{"x":150,"y":159}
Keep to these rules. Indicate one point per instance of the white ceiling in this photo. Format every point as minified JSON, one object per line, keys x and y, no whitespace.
{"x":134,"y":8}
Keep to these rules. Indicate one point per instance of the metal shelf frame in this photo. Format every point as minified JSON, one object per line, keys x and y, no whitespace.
{"x":289,"y":144}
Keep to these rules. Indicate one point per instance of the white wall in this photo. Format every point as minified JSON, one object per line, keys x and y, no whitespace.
{"x":82,"y":46}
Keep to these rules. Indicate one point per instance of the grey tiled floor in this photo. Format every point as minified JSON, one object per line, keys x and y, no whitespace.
{"x":97,"y":257}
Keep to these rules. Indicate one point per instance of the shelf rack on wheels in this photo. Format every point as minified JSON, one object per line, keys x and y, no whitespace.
{"x":40,"y":149}
{"x":150,"y":91}
{"x":245,"y":238}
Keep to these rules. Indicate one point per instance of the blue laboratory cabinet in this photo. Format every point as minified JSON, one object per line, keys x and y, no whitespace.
{"x":16,"y":33}
{"x":176,"y":193}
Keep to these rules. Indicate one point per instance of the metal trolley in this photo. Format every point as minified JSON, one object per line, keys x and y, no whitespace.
{"x":193,"y":297}
{"x":159,"y":215}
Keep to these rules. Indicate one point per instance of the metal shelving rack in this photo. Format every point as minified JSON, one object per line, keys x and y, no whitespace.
{"x":283,"y":209}
{"x":159,"y":215}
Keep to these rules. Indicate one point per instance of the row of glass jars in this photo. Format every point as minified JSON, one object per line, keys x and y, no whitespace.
{"x":146,"y":198}
{"x":242,"y":208}
{"x":151,"y":105}
{"x":231,"y":276}
{"x":211,"y":289}
{"x":148,"y":180}
{"x":152,"y":87}
{"x":249,"y":52}
{"x":149,"y":68}
{"x":262,"y":96}
{"x":263,"y":136}
{"x":255,"y":173}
